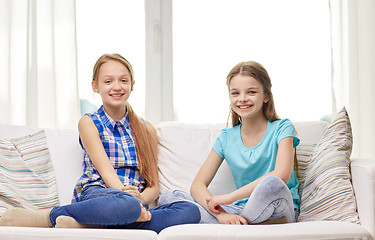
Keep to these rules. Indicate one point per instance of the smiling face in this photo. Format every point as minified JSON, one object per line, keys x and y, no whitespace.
{"x":113,"y":83}
{"x":246,"y":96}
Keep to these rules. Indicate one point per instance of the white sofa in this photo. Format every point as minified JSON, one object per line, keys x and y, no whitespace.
{"x":183,"y":149}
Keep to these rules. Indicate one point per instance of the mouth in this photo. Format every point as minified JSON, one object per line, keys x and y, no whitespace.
{"x":117,"y":95}
{"x":244,"y":106}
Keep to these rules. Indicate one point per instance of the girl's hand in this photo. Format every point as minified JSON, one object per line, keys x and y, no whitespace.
{"x":133,"y":191}
{"x":214,"y":202}
{"x":227,"y":218}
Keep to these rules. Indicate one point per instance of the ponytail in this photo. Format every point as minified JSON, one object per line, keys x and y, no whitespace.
{"x":146,"y":143}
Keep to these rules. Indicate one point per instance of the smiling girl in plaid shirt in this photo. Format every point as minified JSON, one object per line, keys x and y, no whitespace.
{"x":120,"y":173}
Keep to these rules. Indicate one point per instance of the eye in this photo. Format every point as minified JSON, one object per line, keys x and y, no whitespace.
{"x":234,"y":93}
{"x":124,"y":80}
{"x":252,"y":92}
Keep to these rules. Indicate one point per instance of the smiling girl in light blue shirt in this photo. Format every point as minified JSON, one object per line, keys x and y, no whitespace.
{"x":259,"y":150}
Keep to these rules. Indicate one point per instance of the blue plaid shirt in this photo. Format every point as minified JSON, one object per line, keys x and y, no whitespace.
{"x":119,"y":145}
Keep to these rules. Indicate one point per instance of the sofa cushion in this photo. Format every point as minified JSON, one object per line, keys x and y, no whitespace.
{"x":33,"y":233}
{"x":292,"y":231}
{"x":27,"y":176}
{"x":327,"y":193}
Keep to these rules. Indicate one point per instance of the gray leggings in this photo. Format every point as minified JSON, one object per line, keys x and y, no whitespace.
{"x":270,"y":199}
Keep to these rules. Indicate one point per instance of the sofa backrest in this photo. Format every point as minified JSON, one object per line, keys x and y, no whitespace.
{"x":184,"y":147}
{"x":66,"y":155}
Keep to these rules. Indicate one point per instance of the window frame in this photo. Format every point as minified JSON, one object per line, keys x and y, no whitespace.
{"x":159,"y":105}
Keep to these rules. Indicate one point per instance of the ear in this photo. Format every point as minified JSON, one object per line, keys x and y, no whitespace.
{"x":95,"y":87}
{"x":266,"y":98}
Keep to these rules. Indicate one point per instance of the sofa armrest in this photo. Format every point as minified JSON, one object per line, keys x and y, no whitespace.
{"x":363,"y":179}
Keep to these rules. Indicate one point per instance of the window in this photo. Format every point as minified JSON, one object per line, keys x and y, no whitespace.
{"x":290,"y":38}
{"x":111,"y":26}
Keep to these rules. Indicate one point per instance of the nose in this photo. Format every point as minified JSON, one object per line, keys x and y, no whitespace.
{"x":242,"y":98}
{"x":116,"y":85}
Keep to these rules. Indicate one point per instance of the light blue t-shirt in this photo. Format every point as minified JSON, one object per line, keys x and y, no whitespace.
{"x":249,"y":164}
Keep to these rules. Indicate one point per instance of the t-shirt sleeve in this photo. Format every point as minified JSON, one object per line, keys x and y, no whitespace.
{"x":219,"y":144}
{"x":287,"y":129}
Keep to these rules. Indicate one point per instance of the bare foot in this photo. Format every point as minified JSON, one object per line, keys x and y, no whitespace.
{"x":145,"y":215}
{"x":22,"y":217}
{"x":69,"y":222}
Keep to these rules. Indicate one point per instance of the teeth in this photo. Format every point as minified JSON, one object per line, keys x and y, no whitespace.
{"x":243,"y":106}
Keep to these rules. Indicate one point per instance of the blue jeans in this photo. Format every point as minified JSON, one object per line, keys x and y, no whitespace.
{"x":270,"y":199}
{"x":113,"y":208}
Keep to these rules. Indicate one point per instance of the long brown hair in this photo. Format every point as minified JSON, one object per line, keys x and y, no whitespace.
{"x":145,"y":139}
{"x":257,"y":71}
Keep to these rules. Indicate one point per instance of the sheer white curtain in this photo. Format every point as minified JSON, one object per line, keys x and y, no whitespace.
{"x":353,"y":58}
{"x":339,"y":16}
{"x":38,"y":73}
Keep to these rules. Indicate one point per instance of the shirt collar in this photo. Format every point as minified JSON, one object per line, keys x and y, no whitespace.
{"x":110,"y":123}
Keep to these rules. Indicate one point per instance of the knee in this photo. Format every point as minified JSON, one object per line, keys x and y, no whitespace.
{"x":189,"y":211}
{"x":272,"y":184}
{"x":126,"y":204}
{"x":131,"y":200}
{"x":273,"y":180}
{"x":194,"y":212}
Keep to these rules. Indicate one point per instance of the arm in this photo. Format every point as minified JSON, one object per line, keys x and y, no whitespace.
{"x":198,"y":189}
{"x":202,"y":195}
{"x":150,"y":194}
{"x":91,"y":141}
{"x":283,"y":169}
